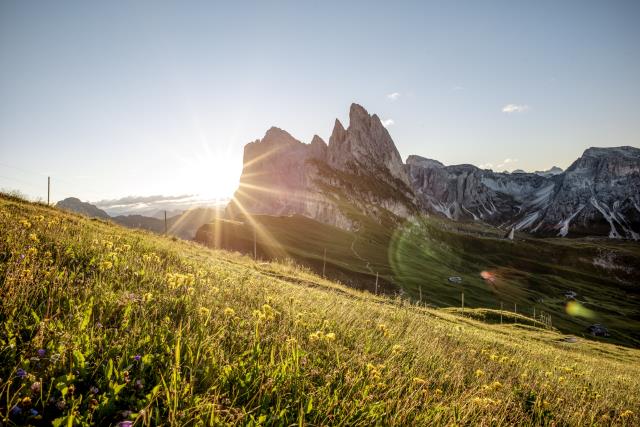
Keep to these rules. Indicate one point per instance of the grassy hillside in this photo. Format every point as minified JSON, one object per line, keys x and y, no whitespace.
{"x":529,"y":275}
{"x":102,"y":324}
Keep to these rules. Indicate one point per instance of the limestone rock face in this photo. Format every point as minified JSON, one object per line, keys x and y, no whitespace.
{"x":360,"y":174}
{"x":360,"y":171}
{"x":599,"y":194}
{"x":366,"y":145}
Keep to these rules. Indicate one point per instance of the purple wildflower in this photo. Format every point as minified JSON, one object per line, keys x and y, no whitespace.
{"x":42,"y":352}
{"x":125,"y":424}
{"x":16,"y":410}
{"x":137,"y":357}
{"x":33,"y":412}
{"x":21,"y":373}
{"x":93,"y":390}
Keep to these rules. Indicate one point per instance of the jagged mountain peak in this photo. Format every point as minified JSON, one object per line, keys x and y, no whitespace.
{"x":415,"y":160}
{"x":275,"y":135}
{"x":622,"y":151}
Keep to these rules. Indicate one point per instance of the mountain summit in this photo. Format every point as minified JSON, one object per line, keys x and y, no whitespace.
{"x":360,"y":176}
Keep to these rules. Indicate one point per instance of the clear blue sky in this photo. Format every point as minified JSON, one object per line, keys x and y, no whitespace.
{"x":139,"y":98}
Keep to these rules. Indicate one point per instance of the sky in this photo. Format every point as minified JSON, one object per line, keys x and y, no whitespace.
{"x":152,"y":98}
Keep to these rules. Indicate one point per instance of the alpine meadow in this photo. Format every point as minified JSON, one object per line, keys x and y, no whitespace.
{"x":314,"y":214}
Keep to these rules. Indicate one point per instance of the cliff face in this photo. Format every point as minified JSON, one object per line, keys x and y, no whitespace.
{"x":360,"y":173}
{"x":598,"y":195}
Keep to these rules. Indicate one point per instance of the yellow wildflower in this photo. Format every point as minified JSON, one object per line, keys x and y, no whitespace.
{"x":229,"y":312}
{"x":479,"y":373}
{"x":330,"y":336}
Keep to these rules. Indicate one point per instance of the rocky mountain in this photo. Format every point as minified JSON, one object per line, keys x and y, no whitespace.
{"x":360,"y":172}
{"x":599,"y":194}
{"x":74,"y":204}
{"x":555,"y":170}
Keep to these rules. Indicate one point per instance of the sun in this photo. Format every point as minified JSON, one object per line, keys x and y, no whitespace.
{"x":210,"y":173}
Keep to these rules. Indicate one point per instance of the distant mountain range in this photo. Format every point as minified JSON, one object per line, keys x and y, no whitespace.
{"x":182,"y":224}
{"x":360,"y":172}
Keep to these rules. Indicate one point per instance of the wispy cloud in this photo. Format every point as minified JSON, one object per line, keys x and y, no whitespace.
{"x":134,"y":200}
{"x":486,"y":166}
{"x":515,"y":108}
{"x":394,"y":96}
{"x":457,"y":88}
{"x":388,"y":122}
{"x":505,"y":162}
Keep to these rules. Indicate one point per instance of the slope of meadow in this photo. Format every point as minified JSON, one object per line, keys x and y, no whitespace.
{"x":104,"y":325}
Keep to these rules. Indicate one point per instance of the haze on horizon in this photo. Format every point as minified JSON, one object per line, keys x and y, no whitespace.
{"x":159,"y":98}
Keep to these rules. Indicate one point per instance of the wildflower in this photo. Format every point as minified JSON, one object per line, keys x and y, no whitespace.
{"x":438,"y":392}
{"x":561,"y":379}
{"x":16,"y":411}
{"x":204,"y":311}
{"x":137,"y":357}
{"x":26,"y":401}
{"x":418,"y":380}
{"x":42,"y":352}
{"x":479,"y":373}
{"x":124,"y":424}
{"x":105,"y":265}
{"x":34,"y":238}
{"x":139,"y":385}
{"x":36,"y":387}
{"x":496,"y":384}
{"x":26,"y":224}
{"x":383,"y":328}
{"x":33,"y":412}
{"x":493,"y":357}
{"x":330,"y":336}
{"x":21,"y":373}
{"x":229,"y":312}
{"x":32,"y":251}
{"x":93,"y":390}
{"x":396,"y":349}
{"x":316,"y":336}
{"x":626,"y":413}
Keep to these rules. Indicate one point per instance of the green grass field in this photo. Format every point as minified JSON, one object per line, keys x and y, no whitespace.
{"x":530,"y":275}
{"x":103,"y":325}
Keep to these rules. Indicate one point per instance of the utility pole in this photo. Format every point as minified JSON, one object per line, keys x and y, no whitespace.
{"x":48,"y":189}
{"x":255,"y":245}
{"x":420,"y":289}
{"x":165,"y":222}
{"x":501,"y":312}
{"x":515,"y":308}
{"x":376,"y":283}
{"x":463,"y":303}
{"x":324,"y":262}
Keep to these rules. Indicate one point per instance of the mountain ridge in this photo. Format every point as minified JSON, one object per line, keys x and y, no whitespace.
{"x":360,"y":171}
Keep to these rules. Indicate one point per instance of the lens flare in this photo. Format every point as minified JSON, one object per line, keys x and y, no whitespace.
{"x":575,"y":309}
{"x":488,"y":276}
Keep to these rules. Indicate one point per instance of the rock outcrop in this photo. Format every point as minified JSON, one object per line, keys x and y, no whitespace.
{"x":599,"y":194}
{"x":359,"y":172}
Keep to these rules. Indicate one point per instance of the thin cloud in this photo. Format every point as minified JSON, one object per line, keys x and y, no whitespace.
{"x":505,"y":162}
{"x":515,"y":108}
{"x":457,"y":88}
{"x":388,"y":122}
{"x":134,"y":200}
{"x":486,"y":166}
{"x":394,"y":96}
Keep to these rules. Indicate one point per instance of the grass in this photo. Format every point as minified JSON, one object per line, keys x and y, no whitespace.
{"x":531,"y":275}
{"x":102,"y":325}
